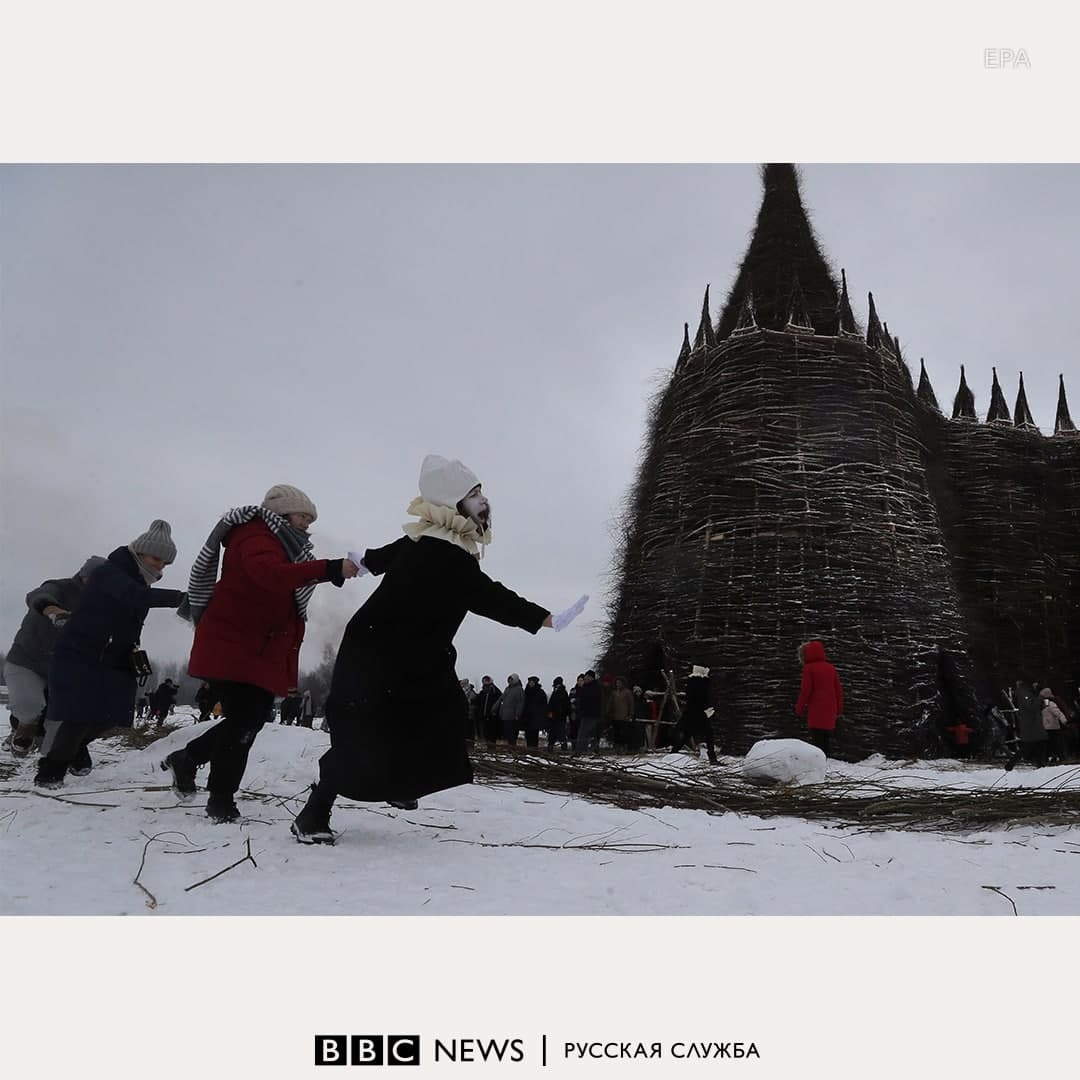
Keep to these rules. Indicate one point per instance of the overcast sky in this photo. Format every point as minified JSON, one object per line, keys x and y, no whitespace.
{"x":176,"y":339}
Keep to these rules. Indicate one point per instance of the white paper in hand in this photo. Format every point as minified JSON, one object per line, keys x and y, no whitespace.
{"x":357,"y":558}
{"x":565,"y":618}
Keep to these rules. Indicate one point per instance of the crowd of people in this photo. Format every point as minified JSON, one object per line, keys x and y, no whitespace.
{"x":1031,"y":722}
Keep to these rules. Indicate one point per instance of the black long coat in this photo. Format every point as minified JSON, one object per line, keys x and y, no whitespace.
{"x":536,"y":708}
{"x":694,"y":722}
{"x":91,"y":681}
{"x":396,"y":710}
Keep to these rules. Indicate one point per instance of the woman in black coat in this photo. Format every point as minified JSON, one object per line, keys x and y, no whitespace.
{"x":696,"y":720}
{"x":558,"y":714}
{"x":92,"y":682}
{"x":396,"y":710}
{"x":536,"y":711}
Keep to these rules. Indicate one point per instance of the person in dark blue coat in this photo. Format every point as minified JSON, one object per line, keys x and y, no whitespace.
{"x":92,"y":681}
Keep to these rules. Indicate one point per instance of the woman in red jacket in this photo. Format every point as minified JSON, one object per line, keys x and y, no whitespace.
{"x":248,"y":631}
{"x":821,"y":697}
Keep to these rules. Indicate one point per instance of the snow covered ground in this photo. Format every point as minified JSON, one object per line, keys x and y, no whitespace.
{"x":494,"y":850}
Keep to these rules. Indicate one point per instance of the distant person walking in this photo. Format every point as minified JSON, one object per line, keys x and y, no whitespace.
{"x":558,"y":714}
{"x":821,"y":695}
{"x":511,"y":709}
{"x":1054,"y":723}
{"x":205,"y":699}
{"x":248,"y":630}
{"x":695,"y":723}
{"x":590,"y":706}
{"x":1034,"y":739}
{"x":307,"y":710}
{"x":535,"y":712}
{"x":487,"y":720}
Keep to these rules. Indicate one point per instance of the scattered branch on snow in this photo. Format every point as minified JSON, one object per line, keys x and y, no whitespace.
{"x":247,"y":858}
{"x":995,"y":888}
{"x":888,"y":801}
{"x":151,"y":898}
{"x":75,"y":802}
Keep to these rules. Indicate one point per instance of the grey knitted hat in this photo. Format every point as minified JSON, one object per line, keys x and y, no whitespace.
{"x":285,"y":499}
{"x":156,"y":541}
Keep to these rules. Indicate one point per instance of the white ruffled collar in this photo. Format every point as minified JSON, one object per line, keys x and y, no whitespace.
{"x":445,"y":523}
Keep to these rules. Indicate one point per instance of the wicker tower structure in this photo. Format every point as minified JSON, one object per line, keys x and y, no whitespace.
{"x":795,"y":484}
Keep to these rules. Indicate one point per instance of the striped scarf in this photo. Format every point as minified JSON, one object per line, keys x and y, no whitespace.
{"x":204,"y":571}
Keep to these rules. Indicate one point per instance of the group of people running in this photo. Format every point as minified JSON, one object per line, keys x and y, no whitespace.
{"x":395,"y":711}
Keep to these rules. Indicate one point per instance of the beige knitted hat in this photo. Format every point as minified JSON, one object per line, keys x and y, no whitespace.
{"x":285,"y":499}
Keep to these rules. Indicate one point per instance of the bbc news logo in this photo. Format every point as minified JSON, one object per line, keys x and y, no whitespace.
{"x":367,"y":1049}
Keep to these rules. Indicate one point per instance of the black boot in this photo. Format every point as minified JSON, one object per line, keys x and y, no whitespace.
{"x":81,"y":763}
{"x":21,"y":741}
{"x":50,"y":774}
{"x":312,"y":824}
{"x":182,"y":767}
{"x":221,"y":809}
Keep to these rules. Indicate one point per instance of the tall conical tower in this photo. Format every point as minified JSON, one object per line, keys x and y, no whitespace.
{"x":782,"y":497}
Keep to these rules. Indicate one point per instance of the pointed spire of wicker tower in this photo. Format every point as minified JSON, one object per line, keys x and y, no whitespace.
{"x":905,"y":371}
{"x":963,"y":407}
{"x":874,"y":332}
{"x":925,"y":391}
{"x":747,"y":321}
{"x":705,"y":338}
{"x":887,"y":343}
{"x":684,"y":352}
{"x":1063,"y":424}
{"x":798,"y":320}
{"x":999,"y":411}
{"x":1021,"y":413}
{"x":783,"y":246}
{"x":845,"y":317}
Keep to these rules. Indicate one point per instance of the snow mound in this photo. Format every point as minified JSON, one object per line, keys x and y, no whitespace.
{"x":784,"y":761}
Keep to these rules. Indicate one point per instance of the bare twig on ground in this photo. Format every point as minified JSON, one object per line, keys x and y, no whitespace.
{"x":247,"y":858}
{"x":151,"y":898}
{"x":996,"y":889}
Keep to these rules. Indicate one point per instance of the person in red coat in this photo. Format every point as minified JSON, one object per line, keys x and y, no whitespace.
{"x":248,"y":630}
{"x":821,"y":697}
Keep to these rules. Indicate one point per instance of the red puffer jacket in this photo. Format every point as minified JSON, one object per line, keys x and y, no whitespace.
{"x":821,"y":697}
{"x":251,"y":631}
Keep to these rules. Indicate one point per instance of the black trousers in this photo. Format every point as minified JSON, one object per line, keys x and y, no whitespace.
{"x":700,"y":732}
{"x":245,"y":708}
{"x":69,"y":741}
{"x":820,"y":738}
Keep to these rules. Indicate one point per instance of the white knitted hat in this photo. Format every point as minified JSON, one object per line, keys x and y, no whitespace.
{"x":445,"y":483}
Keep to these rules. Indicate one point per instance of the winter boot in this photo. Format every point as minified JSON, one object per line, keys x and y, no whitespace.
{"x":312,"y":824}
{"x":22,"y":737}
{"x":180,"y":764}
{"x":81,"y":763}
{"x":405,"y":804}
{"x":221,"y":809}
{"x":50,"y":774}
